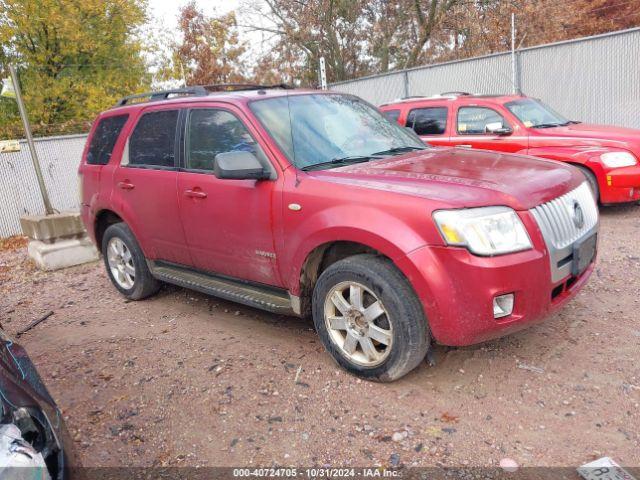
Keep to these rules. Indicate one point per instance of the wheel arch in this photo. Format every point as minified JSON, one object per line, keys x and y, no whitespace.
{"x":103,"y":220}
{"x":107,"y":217}
{"x":318,"y":258}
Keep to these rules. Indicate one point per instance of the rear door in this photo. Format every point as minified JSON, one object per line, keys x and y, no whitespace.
{"x":430,"y":123}
{"x":145,"y":191}
{"x":228,"y":223}
{"x":473,"y":125}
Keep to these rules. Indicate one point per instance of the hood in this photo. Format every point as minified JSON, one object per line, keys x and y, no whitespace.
{"x":457,"y":178}
{"x":585,"y":134}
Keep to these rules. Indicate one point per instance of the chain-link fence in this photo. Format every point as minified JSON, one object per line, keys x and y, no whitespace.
{"x":19,"y":194}
{"x":594,"y":79}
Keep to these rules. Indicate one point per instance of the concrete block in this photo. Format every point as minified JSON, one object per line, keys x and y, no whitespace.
{"x":62,"y":253}
{"x":48,"y":228}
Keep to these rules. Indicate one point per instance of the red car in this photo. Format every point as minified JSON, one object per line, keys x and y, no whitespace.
{"x":312,"y":203}
{"x":608,"y":156}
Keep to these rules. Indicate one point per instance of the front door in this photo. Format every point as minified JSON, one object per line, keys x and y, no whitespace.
{"x":228,"y":223}
{"x":145,"y":187}
{"x":473,"y":127}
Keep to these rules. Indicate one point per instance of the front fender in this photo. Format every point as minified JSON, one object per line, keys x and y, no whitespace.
{"x":368,"y":226}
{"x":589,"y":157}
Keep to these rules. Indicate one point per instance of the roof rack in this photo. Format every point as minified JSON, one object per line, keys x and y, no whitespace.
{"x":455,"y":94}
{"x":196,"y":91}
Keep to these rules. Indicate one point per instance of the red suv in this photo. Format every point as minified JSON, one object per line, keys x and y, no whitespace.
{"x":313,"y":203}
{"x":608,"y":156}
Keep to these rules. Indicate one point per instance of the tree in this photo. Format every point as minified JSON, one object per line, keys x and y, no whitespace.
{"x":209,"y":51}
{"x":302,"y":32}
{"x":356,"y":37}
{"x":74,"y":58}
{"x":359,"y":37}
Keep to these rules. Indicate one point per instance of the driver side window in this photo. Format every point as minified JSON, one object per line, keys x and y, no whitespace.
{"x":213,"y":131}
{"x":479,"y":121}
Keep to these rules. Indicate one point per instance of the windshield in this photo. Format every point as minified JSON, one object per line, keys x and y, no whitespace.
{"x":328,"y":130}
{"x":535,"y":114}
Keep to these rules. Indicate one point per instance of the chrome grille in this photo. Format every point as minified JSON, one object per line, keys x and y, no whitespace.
{"x":557,"y":222}
{"x":556,"y":218}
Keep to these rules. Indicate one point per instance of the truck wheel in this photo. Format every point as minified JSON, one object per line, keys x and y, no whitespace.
{"x":593,"y":182}
{"x":125,"y":263}
{"x":369,"y":318}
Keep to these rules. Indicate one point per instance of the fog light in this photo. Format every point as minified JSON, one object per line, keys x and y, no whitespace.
{"x":503,"y":305}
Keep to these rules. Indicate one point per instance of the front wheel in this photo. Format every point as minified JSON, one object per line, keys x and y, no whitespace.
{"x":369,"y":318}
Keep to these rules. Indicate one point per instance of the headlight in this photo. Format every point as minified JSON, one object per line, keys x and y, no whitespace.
{"x":484,"y":231}
{"x":618,"y":159}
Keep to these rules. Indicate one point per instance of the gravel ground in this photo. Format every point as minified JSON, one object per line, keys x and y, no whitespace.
{"x":188,"y":380}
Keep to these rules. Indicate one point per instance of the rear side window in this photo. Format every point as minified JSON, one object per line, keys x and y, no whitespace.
{"x":104,"y":138}
{"x":428,"y":121}
{"x":153,"y":141}
{"x":392,"y":115}
{"x":216,"y":131}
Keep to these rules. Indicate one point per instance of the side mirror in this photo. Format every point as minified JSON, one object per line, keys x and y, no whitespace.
{"x":238,"y":166}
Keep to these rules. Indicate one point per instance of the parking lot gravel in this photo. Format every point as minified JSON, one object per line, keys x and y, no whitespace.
{"x":183,"y":379}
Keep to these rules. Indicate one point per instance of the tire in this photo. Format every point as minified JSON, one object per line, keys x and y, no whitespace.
{"x":593,"y":182}
{"x":139,"y":285}
{"x":402,"y":322}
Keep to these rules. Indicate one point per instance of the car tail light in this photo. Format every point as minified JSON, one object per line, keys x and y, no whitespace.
{"x":80,"y":192}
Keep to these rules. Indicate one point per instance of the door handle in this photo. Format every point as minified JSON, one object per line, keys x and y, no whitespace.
{"x":465,"y":146}
{"x":195,"y":193}
{"x":126,"y":185}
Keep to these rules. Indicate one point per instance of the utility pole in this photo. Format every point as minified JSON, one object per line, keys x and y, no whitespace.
{"x":32,"y":148}
{"x":514,"y":66}
{"x":323,"y":74}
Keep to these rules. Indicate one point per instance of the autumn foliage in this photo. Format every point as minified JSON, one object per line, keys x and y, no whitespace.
{"x":75,"y":58}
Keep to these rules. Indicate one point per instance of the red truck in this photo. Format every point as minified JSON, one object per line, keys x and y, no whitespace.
{"x":608,"y":156}
{"x":312,"y":203}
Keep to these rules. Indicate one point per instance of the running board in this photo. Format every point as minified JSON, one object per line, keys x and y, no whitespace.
{"x":263,"y":297}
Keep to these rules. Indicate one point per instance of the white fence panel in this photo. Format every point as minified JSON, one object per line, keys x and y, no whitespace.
{"x":19,"y":193}
{"x":594,"y":79}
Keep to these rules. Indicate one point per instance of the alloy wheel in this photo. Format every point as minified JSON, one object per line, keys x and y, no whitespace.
{"x":121,"y":263}
{"x":358,"y":324}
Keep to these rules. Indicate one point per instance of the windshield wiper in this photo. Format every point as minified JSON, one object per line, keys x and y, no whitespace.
{"x":394,"y":150}
{"x":340,"y":161}
{"x":549,"y":125}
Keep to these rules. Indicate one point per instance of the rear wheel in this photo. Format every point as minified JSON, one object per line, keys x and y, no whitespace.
{"x":369,"y":319}
{"x":125,"y":263}
{"x":593,"y":182}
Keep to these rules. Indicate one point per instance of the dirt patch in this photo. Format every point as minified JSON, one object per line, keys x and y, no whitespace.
{"x":185,"y":379}
{"x":15,"y":242}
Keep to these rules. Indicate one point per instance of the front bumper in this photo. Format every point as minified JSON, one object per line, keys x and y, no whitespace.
{"x":620,"y":185}
{"x":457,"y":291}
{"x":457,"y":288}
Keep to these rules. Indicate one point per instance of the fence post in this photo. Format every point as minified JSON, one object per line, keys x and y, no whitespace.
{"x":405,"y":79}
{"x":514,"y":80}
{"x":322,"y":74}
{"x":32,"y":147}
